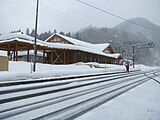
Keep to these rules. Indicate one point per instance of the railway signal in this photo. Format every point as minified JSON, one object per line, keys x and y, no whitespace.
{"x":144,"y":46}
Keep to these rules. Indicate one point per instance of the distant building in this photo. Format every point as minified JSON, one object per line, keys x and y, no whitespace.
{"x":57,"y":49}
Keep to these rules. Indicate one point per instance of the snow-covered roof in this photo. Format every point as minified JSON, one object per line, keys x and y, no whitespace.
{"x":101,"y":46}
{"x":72,"y":40}
{"x":81,"y":48}
{"x":3,"y":53}
{"x":41,"y":43}
{"x":18,"y":36}
{"x":78,"y":44}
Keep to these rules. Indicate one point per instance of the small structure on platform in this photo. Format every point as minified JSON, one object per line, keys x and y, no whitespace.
{"x":3,"y":61}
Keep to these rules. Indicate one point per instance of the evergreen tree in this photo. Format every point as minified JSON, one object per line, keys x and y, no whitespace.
{"x":55,"y":31}
{"x":32,"y":33}
{"x":62,"y":33}
{"x":68,"y":34}
{"x":27,"y":31}
{"x":49,"y":32}
{"x":19,"y":30}
{"x":77,"y":36}
{"x":41,"y":36}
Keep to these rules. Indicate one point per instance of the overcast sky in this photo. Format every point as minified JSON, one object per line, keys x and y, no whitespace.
{"x":70,"y":15}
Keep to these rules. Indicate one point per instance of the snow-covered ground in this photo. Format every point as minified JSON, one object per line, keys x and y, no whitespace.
{"x":140,"y":103}
{"x":22,"y":70}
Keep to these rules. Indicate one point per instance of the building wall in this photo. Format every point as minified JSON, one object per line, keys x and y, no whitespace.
{"x":31,"y":58}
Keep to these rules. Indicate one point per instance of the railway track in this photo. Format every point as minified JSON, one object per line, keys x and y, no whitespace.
{"x":65,"y":99}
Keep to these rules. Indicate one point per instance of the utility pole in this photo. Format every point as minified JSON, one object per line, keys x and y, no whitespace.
{"x":133,"y":53}
{"x":149,"y":45}
{"x":35,"y":40}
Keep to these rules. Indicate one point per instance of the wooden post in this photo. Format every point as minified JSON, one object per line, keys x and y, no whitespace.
{"x":64,"y":56}
{"x":14,"y":55}
{"x":52,"y":56}
{"x":44,"y":56}
{"x":8,"y":51}
{"x":75,"y":56}
{"x":28,"y":54}
{"x":84,"y":58}
{"x":16,"y":51}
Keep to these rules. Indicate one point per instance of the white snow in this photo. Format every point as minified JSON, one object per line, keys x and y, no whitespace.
{"x":72,"y":40}
{"x":101,"y":46}
{"x":81,"y":48}
{"x":16,"y":35}
{"x":20,"y":70}
{"x":140,"y":103}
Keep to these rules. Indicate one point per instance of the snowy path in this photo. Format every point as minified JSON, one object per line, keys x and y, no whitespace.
{"x":65,"y":101}
{"x":141,"y":103}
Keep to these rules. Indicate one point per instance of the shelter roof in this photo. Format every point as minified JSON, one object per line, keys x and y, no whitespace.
{"x":77,"y":44}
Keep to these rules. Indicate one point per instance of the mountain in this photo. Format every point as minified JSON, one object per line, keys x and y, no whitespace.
{"x":149,"y":34}
{"x":125,"y":35}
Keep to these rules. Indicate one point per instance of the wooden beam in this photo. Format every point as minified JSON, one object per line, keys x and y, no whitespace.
{"x":44,"y":56}
{"x":16,"y":51}
{"x":14,"y":55}
{"x":83,"y":57}
{"x":8,"y":50}
{"x":52,"y":56}
{"x":64,"y":56}
{"x":75,"y":56}
{"x":28,"y":54}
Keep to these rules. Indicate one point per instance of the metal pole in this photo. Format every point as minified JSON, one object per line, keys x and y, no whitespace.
{"x":133,"y":54}
{"x":35,"y":46}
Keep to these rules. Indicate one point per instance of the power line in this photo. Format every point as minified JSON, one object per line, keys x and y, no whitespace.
{"x":132,"y":9}
{"x":72,"y":17}
{"x":75,"y":11}
{"x":117,"y":16}
{"x":55,"y":10}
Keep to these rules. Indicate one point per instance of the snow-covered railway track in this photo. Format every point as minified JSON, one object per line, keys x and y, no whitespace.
{"x":8,"y":94}
{"x":74,"y":94}
{"x":30,"y":86}
{"x":77,"y":109}
{"x":31,"y":81}
{"x":69,"y":103}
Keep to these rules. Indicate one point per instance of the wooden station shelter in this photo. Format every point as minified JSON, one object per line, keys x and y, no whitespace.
{"x":58,"y":49}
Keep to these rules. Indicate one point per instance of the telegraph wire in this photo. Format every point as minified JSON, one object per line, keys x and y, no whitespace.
{"x":72,"y":17}
{"x":117,"y":16}
{"x":55,"y":10}
{"x":75,"y":11}
{"x":132,"y":9}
